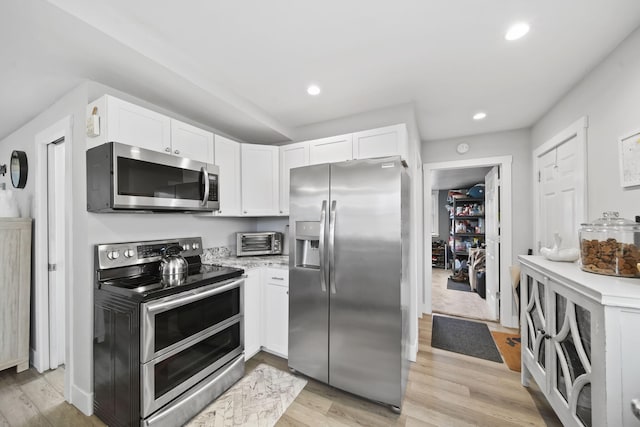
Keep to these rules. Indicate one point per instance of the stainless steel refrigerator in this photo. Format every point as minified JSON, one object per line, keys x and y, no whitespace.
{"x":348,"y":276}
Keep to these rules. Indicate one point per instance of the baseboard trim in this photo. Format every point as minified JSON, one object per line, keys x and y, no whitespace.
{"x":413,"y":351}
{"x":34,"y":357}
{"x":82,"y":400}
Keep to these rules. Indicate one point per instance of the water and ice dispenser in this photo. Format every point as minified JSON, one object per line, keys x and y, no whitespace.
{"x":308,"y":244}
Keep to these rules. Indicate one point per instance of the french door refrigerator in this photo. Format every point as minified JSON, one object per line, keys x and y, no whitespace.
{"x":348,"y":276}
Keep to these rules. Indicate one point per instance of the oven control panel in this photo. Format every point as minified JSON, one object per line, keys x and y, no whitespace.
{"x":112,"y":255}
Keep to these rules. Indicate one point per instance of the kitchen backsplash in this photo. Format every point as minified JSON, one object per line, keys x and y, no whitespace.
{"x":211,"y":254}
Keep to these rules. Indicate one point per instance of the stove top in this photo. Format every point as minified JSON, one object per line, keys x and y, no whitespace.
{"x":150,"y":286}
{"x":132,"y":269}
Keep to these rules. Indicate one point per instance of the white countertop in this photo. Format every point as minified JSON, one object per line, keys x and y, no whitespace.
{"x":608,"y":290}
{"x":249,"y":262}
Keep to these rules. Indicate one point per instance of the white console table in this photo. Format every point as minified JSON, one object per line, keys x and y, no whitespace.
{"x":581,"y":341}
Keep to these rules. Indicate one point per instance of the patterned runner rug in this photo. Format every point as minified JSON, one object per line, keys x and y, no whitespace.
{"x":258,"y":399}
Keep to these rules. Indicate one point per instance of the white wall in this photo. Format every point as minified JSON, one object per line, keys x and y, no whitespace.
{"x":609,"y":96}
{"x":514,"y":143}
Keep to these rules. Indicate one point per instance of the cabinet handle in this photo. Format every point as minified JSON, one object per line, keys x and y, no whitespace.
{"x":635,"y":407}
{"x":168,"y":149}
{"x":278,"y":278}
{"x":281,"y":212}
{"x":544,"y":334}
{"x":177,"y":152}
{"x":245,"y":211}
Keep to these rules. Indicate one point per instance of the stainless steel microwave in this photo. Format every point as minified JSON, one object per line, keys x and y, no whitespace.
{"x":122,"y":178}
{"x":261,"y":243}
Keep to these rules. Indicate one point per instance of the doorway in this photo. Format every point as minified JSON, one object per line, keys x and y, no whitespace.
{"x":51,"y":314}
{"x":459,"y":286}
{"x":504,"y":292}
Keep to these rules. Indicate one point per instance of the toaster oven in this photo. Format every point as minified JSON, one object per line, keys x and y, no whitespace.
{"x":261,"y":243}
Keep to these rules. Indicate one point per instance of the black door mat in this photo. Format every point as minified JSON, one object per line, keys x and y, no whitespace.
{"x":458,"y":286}
{"x":464,"y":337}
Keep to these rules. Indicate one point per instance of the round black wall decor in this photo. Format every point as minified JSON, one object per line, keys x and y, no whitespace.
{"x":19,"y":169}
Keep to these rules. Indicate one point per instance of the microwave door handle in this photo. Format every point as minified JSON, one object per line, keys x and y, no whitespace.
{"x":205,"y":177}
{"x":332,"y":248}
{"x":323,"y":271}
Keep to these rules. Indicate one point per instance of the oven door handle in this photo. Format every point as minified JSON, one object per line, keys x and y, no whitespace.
{"x":198,"y":294}
{"x":205,"y":178}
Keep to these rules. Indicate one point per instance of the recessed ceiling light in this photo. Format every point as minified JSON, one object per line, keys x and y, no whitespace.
{"x":517,"y":31}
{"x":479,"y":116}
{"x":313,"y":90}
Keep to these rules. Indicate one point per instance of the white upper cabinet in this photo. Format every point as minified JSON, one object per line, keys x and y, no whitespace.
{"x":127,"y":123}
{"x":330,"y":150}
{"x":191,"y":142}
{"x":381,"y":142}
{"x":260,"y":176}
{"x":227,"y":158}
{"x":133,"y":125}
{"x":291,"y":156}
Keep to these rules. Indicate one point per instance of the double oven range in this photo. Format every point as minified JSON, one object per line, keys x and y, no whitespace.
{"x":163,"y":352}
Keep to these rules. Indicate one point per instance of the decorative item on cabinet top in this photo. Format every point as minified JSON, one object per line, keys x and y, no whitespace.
{"x":611,"y":245}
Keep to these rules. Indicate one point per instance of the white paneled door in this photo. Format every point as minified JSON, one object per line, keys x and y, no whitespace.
{"x":56,"y":221}
{"x":561,"y":193}
{"x":492,"y":239}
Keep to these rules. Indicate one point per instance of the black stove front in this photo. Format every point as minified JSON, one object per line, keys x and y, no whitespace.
{"x":159,"y":347}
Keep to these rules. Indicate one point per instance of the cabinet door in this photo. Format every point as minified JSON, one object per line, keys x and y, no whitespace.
{"x":535,"y":326}
{"x":331,"y":150}
{"x":276,"y":319}
{"x":191,"y":142}
{"x":386,"y":141}
{"x":133,"y":125}
{"x":574,"y":319}
{"x":259,"y":179}
{"x":291,"y":156}
{"x":252,"y":313}
{"x":227,"y":158}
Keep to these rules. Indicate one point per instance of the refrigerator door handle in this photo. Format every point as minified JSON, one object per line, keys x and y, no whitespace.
{"x":332,"y":241}
{"x":323,"y":270}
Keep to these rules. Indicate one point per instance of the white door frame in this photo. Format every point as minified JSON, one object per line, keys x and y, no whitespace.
{"x":578,"y":130}
{"x":508,"y":310}
{"x":40,"y":356}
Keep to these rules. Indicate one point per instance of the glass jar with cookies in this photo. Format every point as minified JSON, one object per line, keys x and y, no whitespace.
{"x":611,"y":245}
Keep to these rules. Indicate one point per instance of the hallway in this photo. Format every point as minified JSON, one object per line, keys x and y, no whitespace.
{"x":456,"y":303}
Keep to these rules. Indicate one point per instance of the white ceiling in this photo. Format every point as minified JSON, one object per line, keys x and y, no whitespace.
{"x":252,"y":60}
{"x":452,"y":179}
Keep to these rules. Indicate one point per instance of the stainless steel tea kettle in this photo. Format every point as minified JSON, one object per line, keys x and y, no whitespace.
{"x":173,"y":266}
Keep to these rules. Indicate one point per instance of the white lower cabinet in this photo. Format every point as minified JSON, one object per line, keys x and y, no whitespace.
{"x":252,"y":312}
{"x":266,"y":311}
{"x":276,"y":311}
{"x":580,"y":341}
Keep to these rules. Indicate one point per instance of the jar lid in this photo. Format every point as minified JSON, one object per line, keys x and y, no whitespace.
{"x":612,"y":219}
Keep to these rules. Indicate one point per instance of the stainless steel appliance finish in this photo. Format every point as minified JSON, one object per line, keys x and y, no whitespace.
{"x":163,"y":349}
{"x":214,"y":385}
{"x":260,"y":243}
{"x":349,"y":289}
{"x":173,"y":266}
{"x":121,"y":177}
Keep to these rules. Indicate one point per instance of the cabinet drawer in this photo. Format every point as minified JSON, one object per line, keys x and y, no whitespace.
{"x":277,"y":276}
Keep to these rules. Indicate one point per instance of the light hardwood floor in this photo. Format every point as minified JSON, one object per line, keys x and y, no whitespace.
{"x":444,"y":389}
{"x":455,"y":303}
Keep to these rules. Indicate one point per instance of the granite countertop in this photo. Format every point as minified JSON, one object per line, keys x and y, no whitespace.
{"x":223,"y":256}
